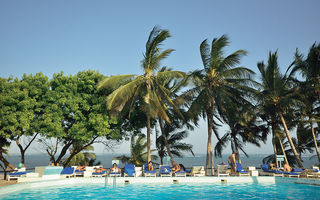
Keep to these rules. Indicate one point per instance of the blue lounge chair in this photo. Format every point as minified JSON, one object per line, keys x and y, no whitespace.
{"x":240,"y":171}
{"x":115,"y":174}
{"x":146,"y":172}
{"x":267,"y":172}
{"x":165,"y":171}
{"x":291,"y":174}
{"x":129,"y":170}
{"x":16,"y":175}
{"x":79,"y":172}
{"x":67,"y":172}
{"x":96,"y":174}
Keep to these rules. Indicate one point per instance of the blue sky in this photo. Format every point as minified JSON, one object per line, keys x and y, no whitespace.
{"x":110,"y":36}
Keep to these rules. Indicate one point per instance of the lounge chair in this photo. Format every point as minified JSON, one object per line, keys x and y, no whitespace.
{"x":309,"y":173}
{"x":129,"y":170}
{"x":67,"y":172}
{"x":146,"y":172}
{"x":222,"y":170}
{"x":16,"y":175}
{"x":78,"y":172}
{"x":291,"y":174}
{"x":240,"y":171}
{"x":99,"y":174}
{"x":115,"y":173}
{"x":182,"y":172}
{"x":197,"y":171}
{"x":165,"y":171}
{"x":267,"y":172}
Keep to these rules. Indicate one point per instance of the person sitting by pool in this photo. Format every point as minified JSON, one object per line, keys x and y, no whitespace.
{"x":232,"y":163}
{"x":286,"y":167}
{"x":81,"y":168}
{"x":175,"y":167}
{"x":100,"y":170}
{"x":115,"y":168}
{"x":150,"y":166}
{"x":272,"y":166}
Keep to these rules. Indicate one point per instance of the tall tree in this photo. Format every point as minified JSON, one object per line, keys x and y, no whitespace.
{"x":35,"y":88}
{"x":309,"y":68}
{"x":172,"y":141}
{"x":277,"y":95}
{"x":75,"y":115}
{"x":218,"y":81}
{"x":130,"y":88}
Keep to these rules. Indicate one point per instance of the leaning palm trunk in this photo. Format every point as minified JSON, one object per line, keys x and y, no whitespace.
{"x":315,"y":141}
{"x":148,"y":139}
{"x":283,"y":151}
{"x":165,"y":141}
{"x":290,"y":140}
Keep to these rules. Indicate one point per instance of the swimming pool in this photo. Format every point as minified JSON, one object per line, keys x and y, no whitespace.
{"x":172,"y":191}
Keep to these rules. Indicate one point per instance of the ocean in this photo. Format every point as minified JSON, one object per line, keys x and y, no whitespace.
{"x":188,"y":161}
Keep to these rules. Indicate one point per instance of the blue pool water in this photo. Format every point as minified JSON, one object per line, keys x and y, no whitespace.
{"x":174,"y":191}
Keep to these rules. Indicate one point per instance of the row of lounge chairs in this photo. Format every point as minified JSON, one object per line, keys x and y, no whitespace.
{"x":131,"y":170}
{"x":296,"y":172}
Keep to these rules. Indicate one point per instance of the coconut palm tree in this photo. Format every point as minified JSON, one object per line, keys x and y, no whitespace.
{"x":172,"y":141}
{"x":138,"y":154}
{"x":277,"y":96}
{"x":218,"y":81}
{"x":85,"y":157}
{"x":129,"y":88}
{"x":310,"y":88}
{"x":245,"y":127}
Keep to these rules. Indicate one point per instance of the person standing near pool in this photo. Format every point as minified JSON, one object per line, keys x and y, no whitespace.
{"x":232,"y":163}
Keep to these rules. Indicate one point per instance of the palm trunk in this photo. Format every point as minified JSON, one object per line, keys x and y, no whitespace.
{"x":315,"y":141}
{"x":290,"y":140}
{"x":275,"y":152}
{"x":283,"y":151}
{"x":148,"y":139}
{"x":165,"y":141}
{"x":209,"y":159}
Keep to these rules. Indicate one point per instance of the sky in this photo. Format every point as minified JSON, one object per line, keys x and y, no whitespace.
{"x":110,"y":36}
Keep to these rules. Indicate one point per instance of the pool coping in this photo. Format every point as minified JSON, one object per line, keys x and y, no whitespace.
{"x":143,"y":180}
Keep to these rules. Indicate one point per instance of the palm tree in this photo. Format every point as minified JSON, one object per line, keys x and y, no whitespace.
{"x":129,"y":88}
{"x":172,"y":141}
{"x":85,"y":157}
{"x":310,"y":87}
{"x":277,"y":96}
{"x":244,"y":128}
{"x":218,"y":81}
{"x":138,"y":152}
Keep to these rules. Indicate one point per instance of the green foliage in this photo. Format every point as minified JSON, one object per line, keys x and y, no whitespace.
{"x":130,"y":89}
{"x":138,"y":153}
{"x":75,"y":111}
{"x":85,"y":157}
{"x":176,"y":146}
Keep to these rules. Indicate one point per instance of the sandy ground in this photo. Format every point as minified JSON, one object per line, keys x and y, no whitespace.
{"x":5,"y":183}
